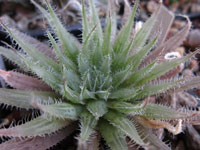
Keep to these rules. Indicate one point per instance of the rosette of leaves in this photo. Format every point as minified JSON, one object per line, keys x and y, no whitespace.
{"x":98,"y":84}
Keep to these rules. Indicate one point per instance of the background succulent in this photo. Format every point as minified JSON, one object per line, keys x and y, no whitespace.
{"x":98,"y":84}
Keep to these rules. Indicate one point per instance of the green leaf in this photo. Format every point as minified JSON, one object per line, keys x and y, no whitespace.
{"x":123,"y":94}
{"x":96,"y":55}
{"x":95,"y":21}
{"x":23,"y":99}
{"x":160,"y":112}
{"x":163,"y":68}
{"x":106,"y":86}
{"x":188,"y":84}
{"x":105,"y":69}
{"x":153,"y":89}
{"x":88,"y":41}
{"x":84,"y":21}
{"x":106,"y":48}
{"x":72,"y":78}
{"x":64,"y":37}
{"x":103,"y":94}
{"x":120,"y":43}
{"x":70,"y":49}
{"x":143,"y":34}
{"x":126,"y":126}
{"x":12,"y":56}
{"x":39,"y":125}
{"x":88,"y":123}
{"x":61,"y":110}
{"x":113,"y":137}
{"x":106,"y":65}
{"x":68,"y":63}
{"x":119,"y":77}
{"x":110,"y":28}
{"x":35,"y":55}
{"x":97,"y":108}
{"x":139,"y":74}
{"x":139,"y":56}
{"x":85,"y":94}
{"x":52,"y":78}
{"x":42,"y":65}
{"x":128,"y":108}
{"x":83,"y":64}
{"x":119,"y":61}
{"x":71,"y":95}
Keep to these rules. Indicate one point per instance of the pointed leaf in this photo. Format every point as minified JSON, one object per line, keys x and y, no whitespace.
{"x":39,"y":125}
{"x":126,"y":126}
{"x":47,"y":69}
{"x":71,"y":95}
{"x":139,"y":74}
{"x":84,"y":20}
{"x":103,"y":94}
{"x":139,"y":56}
{"x":61,"y":110}
{"x":124,"y":35}
{"x":23,"y":82}
{"x":32,"y":51}
{"x":188,"y":84}
{"x":52,"y":78}
{"x":39,"y":143}
{"x":91,"y":144}
{"x":110,"y":28}
{"x":42,"y":47}
{"x":64,"y":37}
{"x":85,"y":94}
{"x":97,"y":108}
{"x":88,"y":123}
{"x":151,"y":138}
{"x":113,"y":137}
{"x":127,"y":11}
{"x":170,"y":45}
{"x":155,"y":141}
{"x":68,"y":63}
{"x":162,"y":25}
{"x":95,"y":21}
{"x":123,"y":94}
{"x":119,"y":61}
{"x":153,"y":89}
{"x":11,"y":55}
{"x":106,"y":65}
{"x":143,"y":34}
{"x":106,"y":48}
{"x":119,"y":77}
{"x":163,"y":68}
{"x":23,"y":99}
{"x":159,"y":112}
{"x":72,"y":78}
{"x":125,"y":107}
{"x":96,"y":55}
{"x":83,"y":64}
{"x":88,"y":41}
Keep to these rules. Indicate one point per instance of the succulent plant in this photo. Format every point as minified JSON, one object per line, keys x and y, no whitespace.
{"x":99,"y":84}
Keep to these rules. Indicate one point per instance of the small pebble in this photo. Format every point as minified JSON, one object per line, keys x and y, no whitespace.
{"x":193,"y":39}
